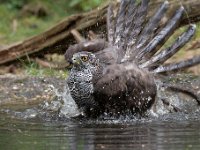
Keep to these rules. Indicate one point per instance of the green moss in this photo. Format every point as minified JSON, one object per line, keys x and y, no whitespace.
{"x":28,"y":26}
{"x":197,"y":35}
{"x":32,"y":69}
{"x":84,"y":4}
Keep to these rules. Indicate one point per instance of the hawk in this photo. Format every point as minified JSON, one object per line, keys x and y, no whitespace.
{"x":117,"y":75}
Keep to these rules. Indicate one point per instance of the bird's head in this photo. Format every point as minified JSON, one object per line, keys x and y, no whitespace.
{"x":84,"y":60}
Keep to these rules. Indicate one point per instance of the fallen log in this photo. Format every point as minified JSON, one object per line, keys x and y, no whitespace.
{"x":58,"y":38}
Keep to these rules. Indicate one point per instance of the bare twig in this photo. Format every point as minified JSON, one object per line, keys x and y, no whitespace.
{"x":77,"y":36}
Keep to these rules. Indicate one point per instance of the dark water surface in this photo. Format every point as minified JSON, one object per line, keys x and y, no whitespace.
{"x":39,"y":126}
{"x":166,"y":133}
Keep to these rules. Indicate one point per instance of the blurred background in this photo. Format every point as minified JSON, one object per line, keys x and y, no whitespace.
{"x":24,"y":18}
{"x":21,"y":19}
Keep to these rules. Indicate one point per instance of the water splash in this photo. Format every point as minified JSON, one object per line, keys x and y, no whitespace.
{"x":178,"y":104}
{"x":63,"y":103}
{"x":69,"y":107}
{"x":61,"y":106}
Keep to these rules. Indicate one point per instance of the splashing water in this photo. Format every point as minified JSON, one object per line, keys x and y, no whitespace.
{"x":60,"y":106}
{"x":179,"y":103}
{"x":69,"y":107}
{"x":63,"y":103}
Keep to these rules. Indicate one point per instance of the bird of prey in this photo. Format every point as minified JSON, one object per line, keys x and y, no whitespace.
{"x":117,"y":75}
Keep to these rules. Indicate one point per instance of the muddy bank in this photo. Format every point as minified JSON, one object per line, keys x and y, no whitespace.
{"x":17,"y":90}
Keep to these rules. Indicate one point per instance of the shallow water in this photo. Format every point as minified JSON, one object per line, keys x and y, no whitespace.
{"x":47,"y":125}
{"x":111,"y":134}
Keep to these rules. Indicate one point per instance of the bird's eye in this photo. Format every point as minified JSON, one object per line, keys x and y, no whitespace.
{"x":84,"y":58}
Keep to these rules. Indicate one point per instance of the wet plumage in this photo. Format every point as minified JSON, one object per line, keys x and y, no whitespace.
{"x":118,"y":76}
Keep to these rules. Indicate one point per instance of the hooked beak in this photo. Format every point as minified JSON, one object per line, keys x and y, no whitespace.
{"x":75,"y":61}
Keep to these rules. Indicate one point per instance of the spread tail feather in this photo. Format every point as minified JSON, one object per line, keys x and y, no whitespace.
{"x":135,"y":19}
{"x":162,"y":36}
{"x":152,"y":25}
{"x":164,"y":55}
{"x":138,"y":23}
{"x":179,"y":65}
{"x":130,"y":16}
{"x":120,"y":23}
{"x":138,"y":42}
{"x":110,"y":24}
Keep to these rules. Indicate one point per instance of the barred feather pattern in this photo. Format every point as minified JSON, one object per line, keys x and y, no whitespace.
{"x":82,"y":78}
{"x":81,"y":87}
